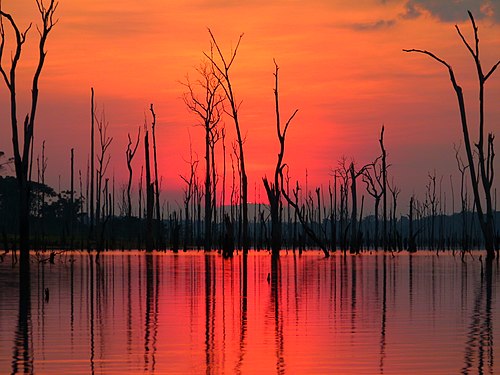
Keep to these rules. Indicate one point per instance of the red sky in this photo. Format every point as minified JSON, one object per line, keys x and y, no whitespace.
{"x":341,"y":64}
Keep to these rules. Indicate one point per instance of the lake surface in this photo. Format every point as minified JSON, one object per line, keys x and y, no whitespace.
{"x":198,"y":313}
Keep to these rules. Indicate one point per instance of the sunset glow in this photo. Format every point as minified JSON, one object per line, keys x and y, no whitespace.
{"x":341,"y":64}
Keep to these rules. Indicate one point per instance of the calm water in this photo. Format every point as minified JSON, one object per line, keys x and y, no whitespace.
{"x":197,"y":313}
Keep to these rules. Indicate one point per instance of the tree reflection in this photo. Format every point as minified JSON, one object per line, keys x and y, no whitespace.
{"x":479,"y":345}
{"x":209,"y":313}
{"x":278,"y":321}
{"x":151,"y":319}
{"x":22,"y":355}
{"x":384,"y":314}
{"x":244,"y":312}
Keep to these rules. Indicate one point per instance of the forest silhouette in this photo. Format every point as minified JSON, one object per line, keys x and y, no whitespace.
{"x":95,"y":215}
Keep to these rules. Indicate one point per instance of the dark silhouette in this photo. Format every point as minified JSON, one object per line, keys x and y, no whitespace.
{"x":223,"y":68}
{"x":22,"y":151}
{"x":208,"y":107}
{"x":92,"y":160}
{"x":384,"y":187}
{"x":372,"y":177}
{"x":273,"y":190}
{"x":159,"y":226}
{"x":149,"y":193}
{"x":130,"y":153}
{"x":486,"y":152}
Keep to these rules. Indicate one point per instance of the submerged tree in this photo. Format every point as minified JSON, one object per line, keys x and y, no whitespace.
{"x":223,"y":67}
{"x":208,"y":107}
{"x":483,"y":178}
{"x":22,"y":151}
{"x":273,"y":189}
{"x":130,"y":153}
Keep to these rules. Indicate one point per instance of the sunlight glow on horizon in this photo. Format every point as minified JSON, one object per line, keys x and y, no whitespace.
{"x":341,"y":65}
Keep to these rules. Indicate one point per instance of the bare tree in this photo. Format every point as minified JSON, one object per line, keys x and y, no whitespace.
{"x":412,"y":245}
{"x":223,"y":67}
{"x":22,"y":151}
{"x":486,"y":154}
{"x":355,"y":231}
{"x":103,"y":160}
{"x":300,"y":215}
{"x":372,"y":177}
{"x":149,"y":193}
{"x":92,"y":160}
{"x":395,"y":190}
{"x":207,"y":105}
{"x":273,"y":189}
{"x":188,"y":194}
{"x":384,"y":187}
{"x":463,"y":198}
{"x":130,"y":153}
{"x":159,"y":224}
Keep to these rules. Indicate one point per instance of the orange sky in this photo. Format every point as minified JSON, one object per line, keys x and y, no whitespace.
{"x":341,"y":65}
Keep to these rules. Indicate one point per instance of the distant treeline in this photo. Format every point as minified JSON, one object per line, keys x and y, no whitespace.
{"x":59,"y":221}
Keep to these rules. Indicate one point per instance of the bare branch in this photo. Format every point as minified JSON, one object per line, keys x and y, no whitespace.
{"x":491,"y":70}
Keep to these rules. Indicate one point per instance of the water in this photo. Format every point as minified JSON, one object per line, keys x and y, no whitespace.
{"x":197,"y":313}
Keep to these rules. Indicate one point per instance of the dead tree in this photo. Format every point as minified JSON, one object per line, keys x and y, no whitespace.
{"x":300,"y":215}
{"x":433,"y":201}
{"x":372,"y":177}
{"x":394,"y":231}
{"x":384,"y":187}
{"x":483,"y":178}
{"x":463,"y":199}
{"x":129,"y":154}
{"x":342,"y":172}
{"x":92,"y":160}
{"x":188,"y":194}
{"x":333,"y":212}
{"x":159,"y":224}
{"x":355,"y":232}
{"x":22,"y":151}
{"x":273,"y":189}
{"x":208,"y":107}
{"x":223,"y":67}
{"x":103,"y":160}
{"x":412,"y":245}
{"x":149,"y":194}
{"x":72,"y":197}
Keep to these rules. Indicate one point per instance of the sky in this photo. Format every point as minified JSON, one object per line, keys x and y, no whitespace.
{"x":341,"y":65}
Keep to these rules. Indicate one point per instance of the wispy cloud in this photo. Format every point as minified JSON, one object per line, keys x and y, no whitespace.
{"x":376,"y":25}
{"x":453,"y":10}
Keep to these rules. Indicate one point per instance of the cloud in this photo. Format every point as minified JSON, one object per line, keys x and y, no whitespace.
{"x":453,"y":10}
{"x":376,"y":25}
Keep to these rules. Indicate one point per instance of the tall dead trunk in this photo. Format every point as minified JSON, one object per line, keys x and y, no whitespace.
{"x":22,"y":152}
{"x":149,"y":196}
{"x":208,"y":107}
{"x":274,"y":189}
{"x":223,"y":67}
{"x":484,"y":177}
{"x":384,"y":188}
{"x":412,"y":246}
{"x":159,"y":225}
{"x":92,"y":170}
{"x":130,"y":153}
{"x":72,"y":198}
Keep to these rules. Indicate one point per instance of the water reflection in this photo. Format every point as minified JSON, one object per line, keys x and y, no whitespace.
{"x":199,"y":313}
{"x":479,"y":346}
{"x":22,"y":352}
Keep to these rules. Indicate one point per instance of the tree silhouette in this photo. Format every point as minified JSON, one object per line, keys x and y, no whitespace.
{"x":223,"y":67}
{"x":208,"y":107}
{"x":130,"y":153}
{"x":273,"y":189}
{"x":22,"y":151}
{"x":484,"y":176}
